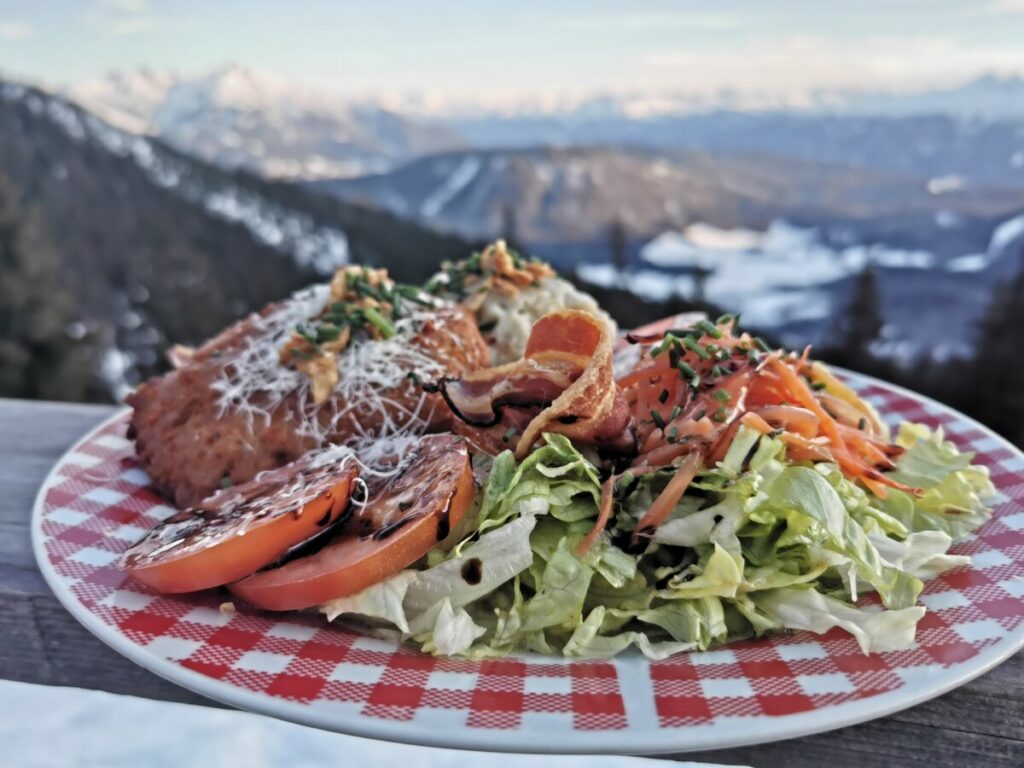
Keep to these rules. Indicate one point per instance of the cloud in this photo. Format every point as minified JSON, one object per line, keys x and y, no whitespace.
{"x":1003,"y":8}
{"x":14,"y":30}
{"x":798,"y":64}
{"x":649,"y":21}
{"x":126,"y":6}
{"x":121,"y":17}
{"x":132,"y":25}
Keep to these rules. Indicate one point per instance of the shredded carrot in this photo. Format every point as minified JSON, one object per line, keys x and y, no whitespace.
{"x":876,"y":488}
{"x":604,"y":512}
{"x":767,"y":393}
{"x":663,"y":455}
{"x":755,"y":421}
{"x":791,"y":417}
{"x":721,"y":446}
{"x":802,"y":453}
{"x":805,"y":358}
{"x":662,"y":507}
{"x":798,"y":390}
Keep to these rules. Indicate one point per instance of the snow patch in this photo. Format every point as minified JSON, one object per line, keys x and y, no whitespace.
{"x":1005,"y":235}
{"x":461,"y":177}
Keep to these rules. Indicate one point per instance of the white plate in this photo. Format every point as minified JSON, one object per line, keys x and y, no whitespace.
{"x":95,"y":502}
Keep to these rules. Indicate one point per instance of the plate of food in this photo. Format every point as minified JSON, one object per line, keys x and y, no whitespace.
{"x":473,"y":513}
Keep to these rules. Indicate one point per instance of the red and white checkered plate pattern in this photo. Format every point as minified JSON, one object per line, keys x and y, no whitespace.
{"x":97,"y":501}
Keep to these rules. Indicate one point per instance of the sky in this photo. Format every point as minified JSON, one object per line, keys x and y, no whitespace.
{"x":525,"y":49}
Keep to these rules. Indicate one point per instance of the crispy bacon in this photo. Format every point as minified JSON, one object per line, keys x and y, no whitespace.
{"x":563,"y":384}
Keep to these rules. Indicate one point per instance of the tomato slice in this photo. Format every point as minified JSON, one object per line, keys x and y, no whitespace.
{"x":241,"y":529}
{"x":404,"y":517}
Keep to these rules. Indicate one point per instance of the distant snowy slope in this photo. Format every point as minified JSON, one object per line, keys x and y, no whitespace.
{"x":240,"y":117}
{"x":573,"y":194}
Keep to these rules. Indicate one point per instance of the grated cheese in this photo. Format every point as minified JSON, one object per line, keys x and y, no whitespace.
{"x":255,"y":384}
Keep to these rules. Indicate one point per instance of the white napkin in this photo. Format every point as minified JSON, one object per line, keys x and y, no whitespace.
{"x":46,"y":727}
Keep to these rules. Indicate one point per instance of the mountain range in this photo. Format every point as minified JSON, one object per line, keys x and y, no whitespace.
{"x":242,"y":118}
{"x":558,"y":196}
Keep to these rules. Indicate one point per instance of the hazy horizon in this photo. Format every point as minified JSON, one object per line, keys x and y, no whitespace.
{"x":530,"y":52}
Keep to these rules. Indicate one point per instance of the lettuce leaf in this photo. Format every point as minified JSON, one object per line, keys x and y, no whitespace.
{"x":382,"y":600}
{"x":804,"y":494}
{"x":758,"y":544}
{"x":883,"y":630}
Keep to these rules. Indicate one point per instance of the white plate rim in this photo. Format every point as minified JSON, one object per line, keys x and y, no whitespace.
{"x":726,"y":733}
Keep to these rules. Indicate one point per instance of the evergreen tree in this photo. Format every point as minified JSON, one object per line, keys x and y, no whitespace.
{"x":862,"y":323}
{"x":700,"y":275}
{"x":38,"y":357}
{"x":993,"y":388}
{"x":618,"y":245}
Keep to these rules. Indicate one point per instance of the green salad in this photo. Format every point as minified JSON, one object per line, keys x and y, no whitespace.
{"x":757,"y":544}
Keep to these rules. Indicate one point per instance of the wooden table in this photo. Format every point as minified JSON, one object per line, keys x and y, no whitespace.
{"x":981,"y":723}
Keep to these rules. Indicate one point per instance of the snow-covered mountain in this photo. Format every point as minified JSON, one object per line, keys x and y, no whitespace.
{"x":240,"y":117}
{"x":574,"y":194}
{"x":987,"y":97}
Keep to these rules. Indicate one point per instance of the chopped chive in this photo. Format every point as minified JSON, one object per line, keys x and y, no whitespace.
{"x":657,"y":419}
{"x":862,"y":423}
{"x":672,"y":434}
{"x":692,"y":345}
{"x":413,"y":377}
{"x":722,"y":396}
{"x":686,"y":369}
{"x":378,"y":320}
{"x":752,"y":356}
{"x":709,"y":328}
{"x":719,"y":415}
{"x":695,"y":381}
{"x":717,"y":371}
{"x":508,"y":435}
{"x":327,"y":332}
{"x":663,"y":397}
{"x":762,"y":344}
{"x":723,"y":319}
{"x":675,"y":413}
{"x":817,"y":386}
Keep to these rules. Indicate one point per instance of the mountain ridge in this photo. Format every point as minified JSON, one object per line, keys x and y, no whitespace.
{"x":240,"y":117}
{"x":575,"y":193}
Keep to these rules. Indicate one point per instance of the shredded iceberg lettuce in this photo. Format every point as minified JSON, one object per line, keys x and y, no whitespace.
{"x":758,"y":544}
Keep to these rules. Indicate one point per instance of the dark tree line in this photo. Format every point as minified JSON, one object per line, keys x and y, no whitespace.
{"x":41,"y":354}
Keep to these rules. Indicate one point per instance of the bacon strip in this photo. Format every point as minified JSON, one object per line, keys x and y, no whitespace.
{"x":565,"y":381}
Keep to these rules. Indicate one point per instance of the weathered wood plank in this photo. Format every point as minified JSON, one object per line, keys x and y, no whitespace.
{"x":886,"y":742}
{"x":979,"y":724}
{"x":42,"y":643}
